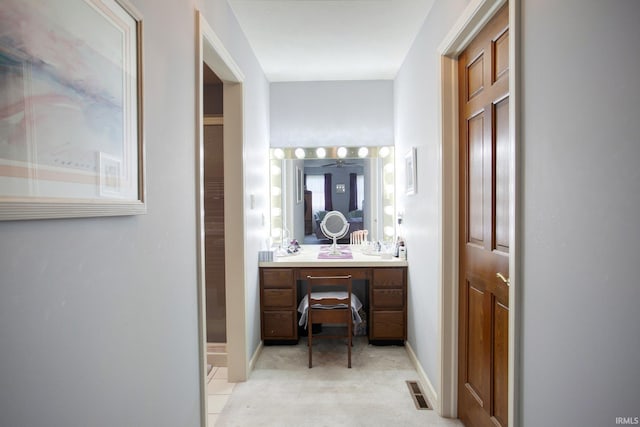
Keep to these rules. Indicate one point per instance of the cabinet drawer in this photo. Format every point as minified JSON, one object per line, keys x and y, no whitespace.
{"x":279,"y":325}
{"x":387,"y":325}
{"x":388,"y":298}
{"x":388,"y":278}
{"x":277,"y":278}
{"x":278,"y":298}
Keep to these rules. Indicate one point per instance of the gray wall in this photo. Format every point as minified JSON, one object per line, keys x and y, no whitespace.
{"x":350,"y":113}
{"x":581,"y":203}
{"x":98,"y":317}
{"x":417,"y":105}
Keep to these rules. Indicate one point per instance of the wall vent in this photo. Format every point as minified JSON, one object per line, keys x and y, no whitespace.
{"x":418,"y":396}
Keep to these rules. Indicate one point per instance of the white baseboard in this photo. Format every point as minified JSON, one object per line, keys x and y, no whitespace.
{"x":217,"y":347}
{"x":217,"y":354}
{"x":254,"y":358}
{"x":424,"y":379}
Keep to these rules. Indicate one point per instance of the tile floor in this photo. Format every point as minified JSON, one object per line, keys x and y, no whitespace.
{"x":218,"y":392}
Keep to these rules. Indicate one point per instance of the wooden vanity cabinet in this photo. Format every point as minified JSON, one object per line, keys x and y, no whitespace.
{"x":278,"y":306}
{"x":388,"y":311}
{"x":387,"y":294}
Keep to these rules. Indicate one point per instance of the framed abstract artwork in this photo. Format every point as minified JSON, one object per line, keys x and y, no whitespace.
{"x":71,"y":123}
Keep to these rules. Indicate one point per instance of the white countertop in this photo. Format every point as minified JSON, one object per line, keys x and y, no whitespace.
{"x":308,"y":257}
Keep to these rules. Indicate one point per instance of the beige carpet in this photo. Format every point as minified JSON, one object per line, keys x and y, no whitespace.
{"x":283,"y":391}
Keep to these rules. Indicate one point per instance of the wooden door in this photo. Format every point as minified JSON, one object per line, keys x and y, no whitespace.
{"x":484,"y":226}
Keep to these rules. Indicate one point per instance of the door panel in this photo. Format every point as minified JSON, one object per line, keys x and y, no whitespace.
{"x":501,"y":172}
{"x":500,"y":362}
{"x":501,"y":55}
{"x":477,"y":362}
{"x":476,"y":179}
{"x":484,"y":226}
{"x":475,"y":77}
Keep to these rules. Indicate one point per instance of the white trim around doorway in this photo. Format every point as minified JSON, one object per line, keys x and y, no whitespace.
{"x":211,"y":50}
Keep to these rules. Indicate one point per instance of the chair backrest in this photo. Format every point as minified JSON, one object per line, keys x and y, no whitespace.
{"x":329,"y":299}
{"x":358,"y":237}
{"x":332,"y":305}
{"x":325,"y":290}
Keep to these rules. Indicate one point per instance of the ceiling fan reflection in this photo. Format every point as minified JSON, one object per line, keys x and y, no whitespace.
{"x":338,"y":164}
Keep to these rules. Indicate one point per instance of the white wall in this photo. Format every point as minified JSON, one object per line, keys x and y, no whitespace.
{"x":417,"y":103}
{"x":255,"y":157}
{"x":98,"y":317}
{"x":581,"y":204}
{"x":332,"y":113}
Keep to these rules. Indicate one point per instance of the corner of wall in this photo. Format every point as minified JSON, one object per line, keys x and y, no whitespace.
{"x":429,"y":390}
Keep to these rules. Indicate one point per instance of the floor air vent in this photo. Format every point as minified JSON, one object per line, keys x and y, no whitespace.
{"x":418,"y":396}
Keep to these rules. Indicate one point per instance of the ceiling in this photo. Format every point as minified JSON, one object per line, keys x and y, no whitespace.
{"x":316,"y":40}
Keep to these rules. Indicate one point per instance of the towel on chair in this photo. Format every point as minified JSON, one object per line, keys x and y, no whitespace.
{"x":356,"y":305}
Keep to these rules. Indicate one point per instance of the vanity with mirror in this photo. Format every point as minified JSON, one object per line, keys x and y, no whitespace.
{"x":306,"y":183}
{"x":321,"y":195}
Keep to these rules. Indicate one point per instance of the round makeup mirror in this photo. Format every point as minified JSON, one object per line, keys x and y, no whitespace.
{"x":335,"y":226}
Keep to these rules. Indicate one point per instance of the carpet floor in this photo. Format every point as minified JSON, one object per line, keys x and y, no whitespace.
{"x":283,"y":391}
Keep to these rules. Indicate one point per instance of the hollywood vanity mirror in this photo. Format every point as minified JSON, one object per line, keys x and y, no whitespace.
{"x":308,"y":182}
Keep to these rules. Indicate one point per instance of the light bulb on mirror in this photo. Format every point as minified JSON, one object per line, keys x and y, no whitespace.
{"x":342,"y":152}
{"x":300,"y":154}
{"x":321,"y":153}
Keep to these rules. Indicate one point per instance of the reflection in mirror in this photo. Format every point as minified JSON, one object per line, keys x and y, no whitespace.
{"x":359,"y":182}
{"x":335,"y":226}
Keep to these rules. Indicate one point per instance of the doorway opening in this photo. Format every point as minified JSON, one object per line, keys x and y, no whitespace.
{"x":214,"y":236}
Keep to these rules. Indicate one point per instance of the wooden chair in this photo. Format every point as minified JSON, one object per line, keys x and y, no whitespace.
{"x":358,"y":237}
{"x":329,"y":299}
